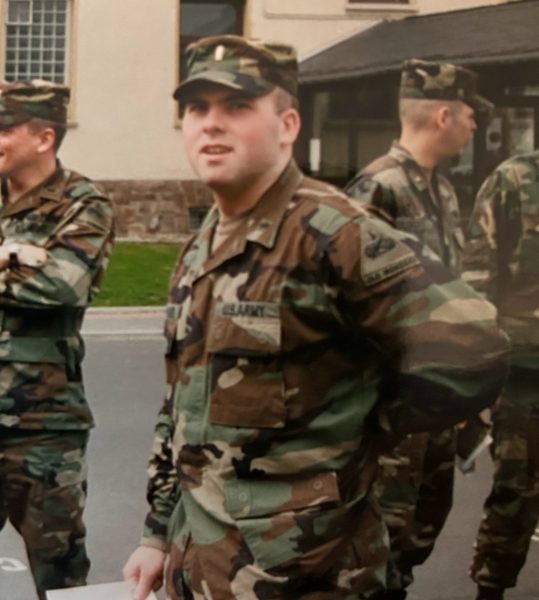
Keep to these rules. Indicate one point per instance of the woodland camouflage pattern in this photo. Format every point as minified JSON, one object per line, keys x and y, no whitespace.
{"x":41,"y":309}
{"x":502,"y":253}
{"x":424,"y":80}
{"x":44,"y":415}
{"x":25,"y":100}
{"x":502,"y":262}
{"x":253,"y":66}
{"x":415,"y":482}
{"x":291,"y":351}
{"x":43,"y":491}
{"x":396,"y":184}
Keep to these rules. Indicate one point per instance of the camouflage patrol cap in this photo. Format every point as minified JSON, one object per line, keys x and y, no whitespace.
{"x":239,"y":63}
{"x":24,"y":100}
{"x":423,"y":79}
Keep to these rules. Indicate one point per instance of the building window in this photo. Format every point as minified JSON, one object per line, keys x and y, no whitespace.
{"x":208,"y":17}
{"x":36,"y":40}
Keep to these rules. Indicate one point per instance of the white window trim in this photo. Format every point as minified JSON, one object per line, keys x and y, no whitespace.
{"x":71,"y":50}
{"x":370,"y":7}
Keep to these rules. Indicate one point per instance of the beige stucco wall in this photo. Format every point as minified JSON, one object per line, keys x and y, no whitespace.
{"x":308,"y":24}
{"x":125,"y":65}
{"x":314,"y":24}
{"x":125,"y":68}
{"x":430,"y":6}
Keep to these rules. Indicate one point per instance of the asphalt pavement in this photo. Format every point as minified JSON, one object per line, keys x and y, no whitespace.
{"x":124,"y":375}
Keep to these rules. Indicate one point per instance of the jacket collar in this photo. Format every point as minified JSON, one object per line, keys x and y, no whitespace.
{"x":261,"y":226}
{"x":52,"y":189}
{"x":415,"y":172}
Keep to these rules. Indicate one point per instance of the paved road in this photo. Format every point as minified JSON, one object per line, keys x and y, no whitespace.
{"x":124,"y":379}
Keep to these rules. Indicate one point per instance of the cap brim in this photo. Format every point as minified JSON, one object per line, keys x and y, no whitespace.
{"x":479,"y":103}
{"x":12,"y":119}
{"x":235,"y":81}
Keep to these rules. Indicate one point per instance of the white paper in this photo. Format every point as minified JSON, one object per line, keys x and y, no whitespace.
{"x":101,"y":591}
{"x":467,"y":465}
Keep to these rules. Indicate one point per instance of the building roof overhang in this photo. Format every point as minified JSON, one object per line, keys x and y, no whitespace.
{"x":491,"y":35}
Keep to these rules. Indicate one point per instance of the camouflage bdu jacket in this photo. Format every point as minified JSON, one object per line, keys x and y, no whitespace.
{"x":281,"y":346}
{"x":41,"y":308}
{"x":399,"y":186}
{"x":502,"y":255}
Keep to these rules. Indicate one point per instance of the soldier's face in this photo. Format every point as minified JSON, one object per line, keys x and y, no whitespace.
{"x":235,"y":142}
{"x":19,"y":148}
{"x":461,"y":127}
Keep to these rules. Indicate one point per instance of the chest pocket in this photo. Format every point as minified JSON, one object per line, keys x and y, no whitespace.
{"x":244,"y":343}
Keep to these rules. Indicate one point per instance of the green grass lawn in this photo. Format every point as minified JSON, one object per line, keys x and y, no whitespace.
{"x":138,"y":275}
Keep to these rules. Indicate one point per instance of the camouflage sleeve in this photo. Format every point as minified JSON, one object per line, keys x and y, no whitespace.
{"x":364,"y":187}
{"x":77,"y":254}
{"x":162,"y":493}
{"x":163,"y":490}
{"x":480,"y":264}
{"x":446,"y":359}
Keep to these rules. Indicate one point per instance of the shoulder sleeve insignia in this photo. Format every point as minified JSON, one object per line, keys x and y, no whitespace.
{"x":383,"y":253}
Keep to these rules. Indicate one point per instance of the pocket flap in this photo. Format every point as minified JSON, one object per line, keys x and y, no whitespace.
{"x":244,"y":499}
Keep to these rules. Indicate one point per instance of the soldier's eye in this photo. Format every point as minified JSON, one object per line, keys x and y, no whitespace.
{"x":240,"y":104}
{"x":194,"y":107}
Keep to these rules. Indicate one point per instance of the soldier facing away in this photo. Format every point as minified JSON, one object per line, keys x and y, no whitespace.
{"x":437,"y":111}
{"x":56,"y":234}
{"x":501,"y":261}
{"x":300,"y":328}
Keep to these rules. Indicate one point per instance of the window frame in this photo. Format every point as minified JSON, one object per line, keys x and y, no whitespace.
{"x":378,"y":2}
{"x":396,"y":6}
{"x":70,"y":49}
{"x":179,"y":45}
{"x":7,"y":21}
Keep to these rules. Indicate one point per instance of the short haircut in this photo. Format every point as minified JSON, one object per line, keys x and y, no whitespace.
{"x":417,"y":112}
{"x":284,"y":100}
{"x":36,"y":125}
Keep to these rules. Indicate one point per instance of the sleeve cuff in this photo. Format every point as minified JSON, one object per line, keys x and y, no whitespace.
{"x":157,"y":543}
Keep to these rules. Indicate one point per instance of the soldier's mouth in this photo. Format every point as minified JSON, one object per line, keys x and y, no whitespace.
{"x":215,"y":150}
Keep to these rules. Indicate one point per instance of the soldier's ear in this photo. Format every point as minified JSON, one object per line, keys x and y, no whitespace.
{"x":442,"y":116}
{"x":291,"y":124}
{"x":47,"y":137}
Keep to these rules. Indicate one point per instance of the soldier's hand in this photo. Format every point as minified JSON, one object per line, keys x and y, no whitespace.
{"x":25,"y":254}
{"x":145,"y":569}
{"x":31,"y":256}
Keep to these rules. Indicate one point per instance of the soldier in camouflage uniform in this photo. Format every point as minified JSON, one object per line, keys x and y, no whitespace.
{"x":56,"y":235}
{"x":300,"y":328}
{"x":501,"y":261}
{"x":436,"y":105}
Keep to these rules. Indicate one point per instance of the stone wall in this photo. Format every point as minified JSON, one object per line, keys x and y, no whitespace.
{"x":156,"y":211}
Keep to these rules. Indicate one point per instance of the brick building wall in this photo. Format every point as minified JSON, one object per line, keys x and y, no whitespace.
{"x":157,"y":211}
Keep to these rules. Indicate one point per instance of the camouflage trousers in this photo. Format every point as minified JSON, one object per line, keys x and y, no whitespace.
{"x":511,"y":511}
{"x":414,"y":488}
{"x":42,"y":493}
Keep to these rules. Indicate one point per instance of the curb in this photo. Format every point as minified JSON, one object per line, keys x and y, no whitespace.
{"x":116,"y":310}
